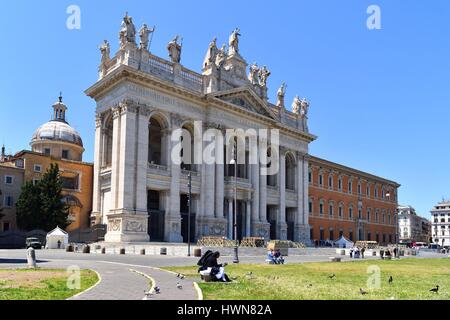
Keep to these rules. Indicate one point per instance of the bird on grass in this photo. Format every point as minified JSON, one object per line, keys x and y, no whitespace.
{"x":391,"y":280}
{"x":250,"y":275}
{"x":179,"y":286}
{"x":435,"y":290}
{"x":332,"y":276}
{"x":362,"y":291}
{"x":309,"y":285}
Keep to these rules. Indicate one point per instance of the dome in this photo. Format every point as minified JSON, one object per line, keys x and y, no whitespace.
{"x":57,"y":131}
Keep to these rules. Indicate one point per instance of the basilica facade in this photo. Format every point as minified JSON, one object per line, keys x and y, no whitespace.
{"x":141,"y":190}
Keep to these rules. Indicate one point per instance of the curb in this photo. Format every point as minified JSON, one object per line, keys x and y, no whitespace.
{"x":88,"y":289}
{"x":199,"y":291}
{"x":146,"y":276}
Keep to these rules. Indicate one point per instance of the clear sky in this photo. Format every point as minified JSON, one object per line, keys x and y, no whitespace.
{"x":379,"y":98}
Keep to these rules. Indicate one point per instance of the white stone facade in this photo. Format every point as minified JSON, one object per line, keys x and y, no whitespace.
{"x":440,"y":218}
{"x":140,"y":192}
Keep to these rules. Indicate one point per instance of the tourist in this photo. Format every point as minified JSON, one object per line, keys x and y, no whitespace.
{"x":362,"y":252}
{"x":382,"y":254}
{"x":351,"y":252}
{"x":271,"y":257}
{"x":217,"y":270}
{"x":278,"y":257}
{"x":395,"y":253}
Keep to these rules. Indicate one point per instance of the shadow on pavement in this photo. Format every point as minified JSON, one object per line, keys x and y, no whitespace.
{"x":18,"y":261}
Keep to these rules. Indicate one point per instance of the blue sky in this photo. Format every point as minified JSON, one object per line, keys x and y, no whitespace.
{"x":379,"y":98}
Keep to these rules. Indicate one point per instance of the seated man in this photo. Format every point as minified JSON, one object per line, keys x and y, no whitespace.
{"x":278,"y":257}
{"x":217,"y":271}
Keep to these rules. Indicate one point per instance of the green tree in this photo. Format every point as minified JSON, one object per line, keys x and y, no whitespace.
{"x":40,"y":205}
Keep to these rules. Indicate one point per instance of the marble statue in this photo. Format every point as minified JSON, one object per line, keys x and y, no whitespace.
{"x":296,"y":105}
{"x":144,"y":35}
{"x":105,"y":50}
{"x":211,"y":54}
{"x":234,"y":41}
{"x":174,"y":49}
{"x":304,"y":105}
{"x":221,"y":56}
{"x":281,"y":94}
{"x":254,"y":73}
{"x":264,"y":74}
{"x":127,"y":32}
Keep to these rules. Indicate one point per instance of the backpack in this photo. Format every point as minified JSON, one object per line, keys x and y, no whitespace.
{"x":202,"y":260}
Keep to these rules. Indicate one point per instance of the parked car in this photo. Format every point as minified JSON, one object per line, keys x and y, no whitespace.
{"x":34,"y":243}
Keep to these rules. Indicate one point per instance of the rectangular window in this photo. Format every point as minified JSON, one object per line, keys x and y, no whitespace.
{"x":320,"y":179}
{"x":340,"y":184}
{"x":331,"y":210}
{"x":65,"y":154}
{"x":368,"y":191}
{"x":310,"y":177}
{"x":350,"y":187}
{"x":9,"y":180}
{"x":310,"y":207}
{"x":37,"y":168}
{"x":19,"y":163}
{"x":321,"y":208}
{"x":70,"y":183}
{"x":330,"y":181}
{"x":47,"y":151}
{"x":340,"y":212}
{"x":8,"y":201}
{"x":332,"y":235}
{"x":5,"y":226}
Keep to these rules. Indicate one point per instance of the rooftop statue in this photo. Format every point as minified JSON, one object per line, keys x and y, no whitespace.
{"x":264,"y":74}
{"x":253,"y":75}
{"x":281,"y":94}
{"x":105,"y":50}
{"x":144,"y":35}
{"x":175,"y":50}
{"x":221,"y":56}
{"x":211,"y":54}
{"x":304,"y":104}
{"x":296,"y":105}
{"x":127,"y":32}
{"x":234,"y":41}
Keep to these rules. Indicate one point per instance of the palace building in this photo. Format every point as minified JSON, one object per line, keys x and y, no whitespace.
{"x":141,"y":189}
{"x":350,"y":203}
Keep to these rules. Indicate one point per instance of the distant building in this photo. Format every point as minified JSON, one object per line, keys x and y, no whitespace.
{"x":11,"y":181}
{"x":55,"y":142}
{"x":413,"y":228}
{"x":440,"y":216}
{"x":355,"y":204}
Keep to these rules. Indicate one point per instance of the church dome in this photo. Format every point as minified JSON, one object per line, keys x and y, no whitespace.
{"x":57,"y":130}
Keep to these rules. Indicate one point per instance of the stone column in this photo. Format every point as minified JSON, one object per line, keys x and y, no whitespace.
{"x":281,"y":215}
{"x":248,"y":218}
{"x":172,"y":230}
{"x":126,"y":223}
{"x":302,"y":228}
{"x":142,"y":145}
{"x":230,"y":219}
{"x":255,"y":177}
{"x":220,"y":176}
{"x":263,"y":227}
{"x":96,"y":215}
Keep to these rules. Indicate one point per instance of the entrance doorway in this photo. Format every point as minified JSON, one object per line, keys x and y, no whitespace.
{"x":155,"y":217}
{"x":184,"y":210}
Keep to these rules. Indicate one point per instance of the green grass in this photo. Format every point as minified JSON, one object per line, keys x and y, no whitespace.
{"x":41,"y":284}
{"x":413,"y":278}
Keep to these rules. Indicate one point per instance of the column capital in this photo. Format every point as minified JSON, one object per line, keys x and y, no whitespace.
{"x":128,"y":106}
{"x":116,"y":111}
{"x":98,"y":120}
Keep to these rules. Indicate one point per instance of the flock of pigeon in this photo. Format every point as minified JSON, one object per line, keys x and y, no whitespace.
{"x":157,"y":290}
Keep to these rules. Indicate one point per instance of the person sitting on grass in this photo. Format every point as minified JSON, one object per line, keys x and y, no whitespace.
{"x":217,"y":270}
{"x":278,"y":257}
{"x":271,"y":257}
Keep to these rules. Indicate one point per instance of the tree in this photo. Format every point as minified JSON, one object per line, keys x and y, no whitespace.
{"x":40,"y":205}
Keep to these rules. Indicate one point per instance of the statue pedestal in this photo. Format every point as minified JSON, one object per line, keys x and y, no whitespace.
{"x":127,"y":227}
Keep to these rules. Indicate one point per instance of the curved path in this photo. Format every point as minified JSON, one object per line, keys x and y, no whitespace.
{"x":118,"y":280}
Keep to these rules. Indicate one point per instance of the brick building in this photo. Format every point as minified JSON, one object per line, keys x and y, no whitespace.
{"x":349,"y":202}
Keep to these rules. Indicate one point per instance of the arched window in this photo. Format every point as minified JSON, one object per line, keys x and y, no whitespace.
{"x":321,"y":206}
{"x":368,"y":214}
{"x":341,"y":210}
{"x":330,"y":180}
{"x":359,"y":187}
{"x":368,"y":190}
{"x":311,"y":206}
{"x":377,"y":215}
{"x":321,"y":178}
{"x":331,"y":208}
{"x":350,"y":186}
{"x":107,"y":142}
{"x":376,"y":191}
{"x":350,"y":211}
{"x":340,"y":184}
{"x":290,"y":172}
{"x":155,"y":142}
{"x":310,"y":176}
{"x":383,"y":217}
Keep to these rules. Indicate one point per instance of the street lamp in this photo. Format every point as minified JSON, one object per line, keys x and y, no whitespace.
{"x":236,"y":249}
{"x":388,"y":195}
{"x":189,"y":212}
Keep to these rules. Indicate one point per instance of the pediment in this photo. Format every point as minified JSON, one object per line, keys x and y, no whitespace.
{"x":246,"y":99}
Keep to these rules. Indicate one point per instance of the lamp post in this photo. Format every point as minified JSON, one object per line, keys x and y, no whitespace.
{"x":236,"y":249}
{"x":189,"y":212}
{"x":388,"y":195}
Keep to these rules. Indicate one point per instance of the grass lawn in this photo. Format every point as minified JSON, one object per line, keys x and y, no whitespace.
{"x":413,"y":278}
{"x":41,"y":284}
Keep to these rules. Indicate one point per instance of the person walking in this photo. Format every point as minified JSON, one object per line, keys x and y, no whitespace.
{"x":362,"y":252}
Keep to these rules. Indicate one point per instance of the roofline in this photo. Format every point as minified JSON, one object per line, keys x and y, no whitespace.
{"x":355,"y":171}
{"x":20,"y":153}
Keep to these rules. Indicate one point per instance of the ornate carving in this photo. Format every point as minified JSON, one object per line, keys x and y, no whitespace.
{"x":263,"y":74}
{"x":116,"y":111}
{"x":176,"y":120}
{"x":114,"y":225}
{"x":128,"y":106}
{"x":135,"y":226}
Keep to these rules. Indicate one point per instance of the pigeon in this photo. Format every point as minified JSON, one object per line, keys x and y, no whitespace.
{"x":332,"y":276}
{"x":362,"y":291}
{"x":182,"y":277}
{"x":309,"y":285}
{"x":179,"y":286}
{"x":250,"y":275}
{"x":435,"y":290}
{"x":178,"y":275}
{"x":157,"y":290}
{"x":391,"y":280}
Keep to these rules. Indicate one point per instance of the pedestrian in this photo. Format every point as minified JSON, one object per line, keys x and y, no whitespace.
{"x":382,"y":254}
{"x":351,"y":253}
{"x":362,"y":252}
{"x":395,"y":253}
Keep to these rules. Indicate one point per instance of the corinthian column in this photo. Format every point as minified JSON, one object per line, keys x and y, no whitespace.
{"x":281,"y":218}
{"x":220,"y":179}
{"x":98,"y":152}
